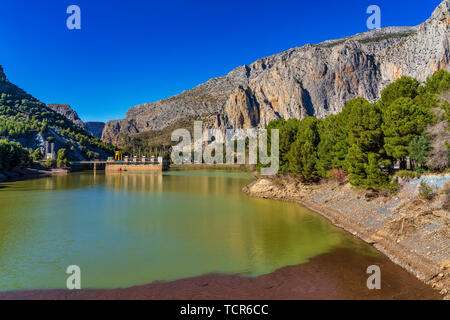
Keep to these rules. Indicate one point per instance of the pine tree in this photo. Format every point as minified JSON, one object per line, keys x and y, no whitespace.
{"x":302,"y":156}
{"x":366,"y":140}
{"x":418,"y":148}
{"x":375,"y":178}
{"x":403,"y":120}
{"x":405,"y":87}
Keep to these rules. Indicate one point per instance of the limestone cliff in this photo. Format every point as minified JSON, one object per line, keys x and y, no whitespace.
{"x":66,"y":111}
{"x":313,"y":80}
{"x":95,"y":128}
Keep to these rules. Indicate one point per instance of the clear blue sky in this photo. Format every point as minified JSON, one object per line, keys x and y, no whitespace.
{"x":135,"y":51}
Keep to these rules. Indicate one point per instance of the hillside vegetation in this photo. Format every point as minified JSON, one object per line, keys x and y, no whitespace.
{"x":28,"y":121}
{"x":408,"y":126}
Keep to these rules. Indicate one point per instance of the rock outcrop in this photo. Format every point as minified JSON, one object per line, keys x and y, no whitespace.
{"x":314,"y":80}
{"x":66,"y":111}
{"x":95,"y":128}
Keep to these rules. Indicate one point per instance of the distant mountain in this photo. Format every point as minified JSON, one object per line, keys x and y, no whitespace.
{"x":25,"y":119}
{"x":66,"y":111}
{"x":313,"y":80}
{"x":95,"y":128}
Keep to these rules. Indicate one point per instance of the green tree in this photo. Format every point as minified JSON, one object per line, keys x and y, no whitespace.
{"x":402,"y":121}
{"x":37,"y":155}
{"x":334,"y":142}
{"x":303,"y":153}
{"x":418,"y":148}
{"x":61,"y":158}
{"x":405,"y":87}
{"x":366,"y":155}
{"x":438,"y":82}
{"x":375,"y":178}
{"x":326,"y":149}
{"x":13,"y":155}
{"x":287,"y":134}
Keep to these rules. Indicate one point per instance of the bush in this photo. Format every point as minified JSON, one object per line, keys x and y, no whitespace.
{"x":13,"y":155}
{"x":50,"y":163}
{"x":426,"y":192}
{"x":338,"y":174}
{"x":61,"y":158}
{"x":408,"y":174}
{"x":37,"y":155}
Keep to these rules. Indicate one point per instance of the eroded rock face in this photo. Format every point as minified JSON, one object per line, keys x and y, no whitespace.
{"x":95,"y":128}
{"x":66,"y":111}
{"x":314,"y":80}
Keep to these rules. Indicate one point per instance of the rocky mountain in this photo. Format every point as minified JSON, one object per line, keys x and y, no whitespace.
{"x":26,"y":120}
{"x":314,"y":80}
{"x":66,"y":111}
{"x":95,"y":128}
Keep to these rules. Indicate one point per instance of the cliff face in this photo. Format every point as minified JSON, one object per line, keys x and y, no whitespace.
{"x":313,"y":80}
{"x":66,"y":111}
{"x":95,"y":128}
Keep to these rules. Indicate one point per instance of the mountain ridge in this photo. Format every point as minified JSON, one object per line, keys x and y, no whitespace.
{"x":94,"y":128}
{"x":26,"y":120}
{"x":312,"y":80}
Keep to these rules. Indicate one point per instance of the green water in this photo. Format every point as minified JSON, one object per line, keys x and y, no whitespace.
{"x":133,"y":229}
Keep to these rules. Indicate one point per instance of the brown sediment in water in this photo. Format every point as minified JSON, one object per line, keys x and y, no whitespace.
{"x":340,"y":274}
{"x":412,"y":232}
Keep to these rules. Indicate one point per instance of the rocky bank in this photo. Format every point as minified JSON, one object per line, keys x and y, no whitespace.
{"x":412,"y":232}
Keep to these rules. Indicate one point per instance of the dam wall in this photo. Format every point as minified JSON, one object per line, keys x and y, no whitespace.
{"x":136,"y":167}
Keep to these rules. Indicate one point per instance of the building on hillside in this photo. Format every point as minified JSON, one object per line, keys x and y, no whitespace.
{"x":50,"y":153}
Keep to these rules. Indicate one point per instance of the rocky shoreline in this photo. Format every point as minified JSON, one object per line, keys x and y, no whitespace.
{"x":30,"y":173}
{"x":412,"y":232}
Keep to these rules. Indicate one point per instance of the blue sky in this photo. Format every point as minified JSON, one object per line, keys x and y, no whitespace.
{"x":135,"y":51}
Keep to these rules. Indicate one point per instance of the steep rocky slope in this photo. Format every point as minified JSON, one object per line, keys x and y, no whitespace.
{"x":95,"y":128}
{"x":66,"y":111}
{"x":30,"y":122}
{"x":313,"y":80}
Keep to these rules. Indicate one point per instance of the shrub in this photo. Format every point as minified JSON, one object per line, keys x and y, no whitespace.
{"x":37,"y":155}
{"x":62,"y":158}
{"x":50,"y":163}
{"x":426,"y":192}
{"x":408,"y":174}
{"x":338,"y":174}
{"x":13,"y":155}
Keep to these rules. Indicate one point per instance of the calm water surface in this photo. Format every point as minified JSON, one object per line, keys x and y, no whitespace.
{"x":132,"y":229}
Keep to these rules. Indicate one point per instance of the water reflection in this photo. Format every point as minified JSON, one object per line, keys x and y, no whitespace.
{"x":130,"y":229}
